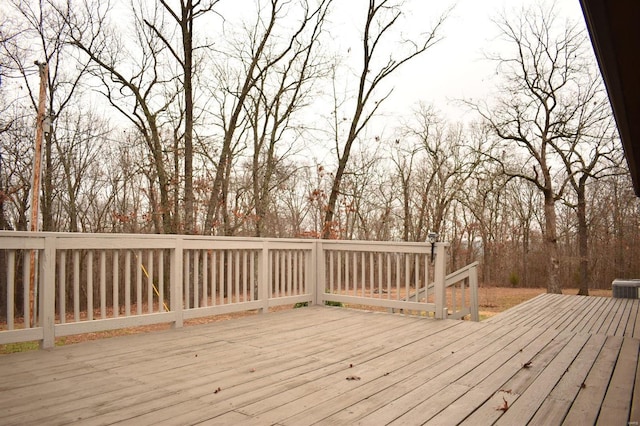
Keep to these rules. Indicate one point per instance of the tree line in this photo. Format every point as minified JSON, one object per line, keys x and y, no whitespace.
{"x":187,"y":117}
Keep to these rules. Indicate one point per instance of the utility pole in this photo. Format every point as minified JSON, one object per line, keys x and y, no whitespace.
{"x":43,"y":69}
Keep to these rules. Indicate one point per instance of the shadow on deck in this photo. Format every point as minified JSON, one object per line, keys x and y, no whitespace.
{"x":550,"y":360}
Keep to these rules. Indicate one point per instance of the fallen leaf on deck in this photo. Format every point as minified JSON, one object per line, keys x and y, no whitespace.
{"x":503,"y":407}
{"x":253,"y":370}
{"x":526,"y":364}
{"x":217,"y":390}
{"x":350,"y":365}
{"x":505,"y":390}
{"x":353,"y":378}
{"x":583,"y":385}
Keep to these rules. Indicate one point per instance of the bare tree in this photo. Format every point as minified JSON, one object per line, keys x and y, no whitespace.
{"x":524,"y":201}
{"x":5,"y":122}
{"x":404,"y":157}
{"x":269,"y":51}
{"x":614,"y":225}
{"x":355,"y":216}
{"x":41,"y":37}
{"x":16,"y":165}
{"x":280,"y":92}
{"x":185,"y":17}
{"x":593,"y":153}
{"x":539,"y":105}
{"x":78,"y":146}
{"x":446,"y":160}
{"x":382,"y":18}
{"x":135,"y":81}
{"x":126,"y":176}
{"x":483,"y":196}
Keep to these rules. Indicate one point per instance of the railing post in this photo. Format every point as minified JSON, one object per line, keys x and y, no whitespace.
{"x":177,"y":276}
{"x":263,"y":277}
{"x":439,"y":279}
{"x":48,"y":293}
{"x":473,"y":285}
{"x":319,"y":284}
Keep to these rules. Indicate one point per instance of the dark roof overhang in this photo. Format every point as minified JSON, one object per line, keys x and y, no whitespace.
{"x":614,"y":27}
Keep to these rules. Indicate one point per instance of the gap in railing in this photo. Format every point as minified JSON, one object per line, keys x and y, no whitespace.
{"x":289,"y":272}
{"x":100,"y":284}
{"x":15,"y":310}
{"x":379,"y":275}
{"x":214,"y":277}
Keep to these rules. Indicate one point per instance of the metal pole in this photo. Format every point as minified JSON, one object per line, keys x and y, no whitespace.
{"x":35,"y":186}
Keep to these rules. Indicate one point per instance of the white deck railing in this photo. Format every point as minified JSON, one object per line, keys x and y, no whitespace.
{"x":84,"y":283}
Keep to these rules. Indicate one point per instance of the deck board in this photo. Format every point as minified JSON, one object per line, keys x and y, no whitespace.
{"x":617,"y":401}
{"x":580,"y":312}
{"x":291,"y":368}
{"x":527,"y":404}
{"x":557,"y":403}
{"x":633,"y":314}
{"x":586,"y":406}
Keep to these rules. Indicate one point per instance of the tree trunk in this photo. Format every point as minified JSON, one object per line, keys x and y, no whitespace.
{"x":407,"y":208}
{"x":583,"y":285}
{"x":168,"y":227}
{"x":187,"y":45}
{"x":47,"y":189}
{"x":551,"y":244}
{"x":328,"y":227}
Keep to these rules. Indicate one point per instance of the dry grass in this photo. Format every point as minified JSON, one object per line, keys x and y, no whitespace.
{"x":492,"y":300}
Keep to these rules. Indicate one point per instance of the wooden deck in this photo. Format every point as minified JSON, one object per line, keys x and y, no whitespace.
{"x":551,"y":360}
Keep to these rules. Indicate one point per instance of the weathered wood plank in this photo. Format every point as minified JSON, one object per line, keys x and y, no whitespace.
{"x":163,"y":375}
{"x":304,"y":398}
{"x":229,"y":418}
{"x":384,"y":375}
{"x":527,"y":404}
{"x":490,"y":376}
{"x":613,"y":318}
{"x":572,"y":307}
{"x":518,"y":313}
{"x":556,"y":405}
{"x":436,"y":378}
{"x":623,"y":321}
{"x":581,"y":312}
{"x":233,"y":385}
{"x":599,"y":315}
{"x":532,"y":313}
{"x":291,"y":367}
{"x":634,"y":416}
{"x":586,"y":406}
{"x":528,"y":372}
{"x":636,"y":328}
{"x":617,"y":401}
{"x":633,"y":315}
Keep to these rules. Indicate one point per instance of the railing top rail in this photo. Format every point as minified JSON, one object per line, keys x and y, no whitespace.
{"x":20,"y":243}
{"x":460,"y":274}
{"x":116,"y":240}
{"x":380,"y":246}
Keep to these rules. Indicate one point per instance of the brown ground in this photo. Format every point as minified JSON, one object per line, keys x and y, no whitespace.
{"x":492,"y":300}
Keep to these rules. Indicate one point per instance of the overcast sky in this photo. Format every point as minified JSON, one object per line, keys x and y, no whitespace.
{"x":454,"y":68}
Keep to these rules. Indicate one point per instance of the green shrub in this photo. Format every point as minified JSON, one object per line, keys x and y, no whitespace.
{"x":514,"y":279}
